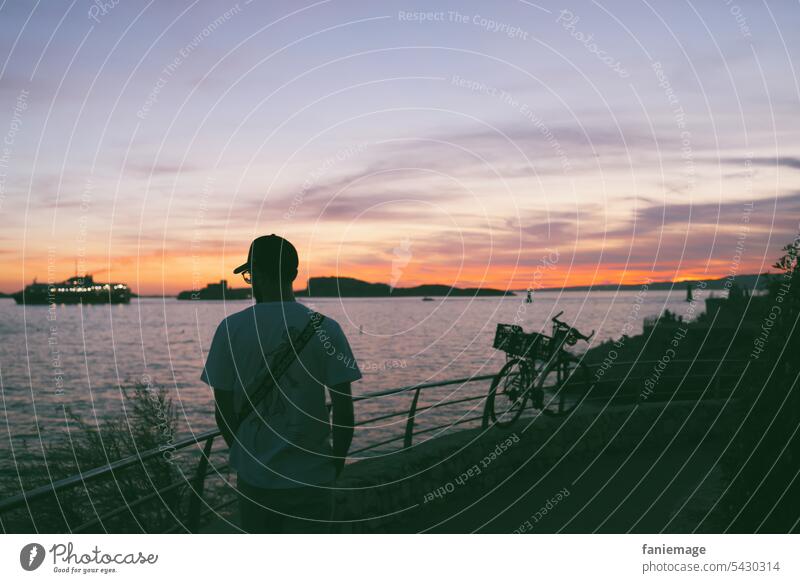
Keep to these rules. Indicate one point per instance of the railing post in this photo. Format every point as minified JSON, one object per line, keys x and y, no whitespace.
{"x":485,"y":417}
{"x":412,"y":413}
{"x":198,"y":485}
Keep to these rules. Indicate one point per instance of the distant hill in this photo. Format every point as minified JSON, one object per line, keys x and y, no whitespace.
{"x":750,"y":282}
{"x":349,"y":287}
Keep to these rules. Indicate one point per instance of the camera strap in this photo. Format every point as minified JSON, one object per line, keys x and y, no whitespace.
{"x":282,"y":361}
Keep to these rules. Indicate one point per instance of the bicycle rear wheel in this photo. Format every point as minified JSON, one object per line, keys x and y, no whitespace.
{"x":565,"y":387}
{"x":508,"y":393}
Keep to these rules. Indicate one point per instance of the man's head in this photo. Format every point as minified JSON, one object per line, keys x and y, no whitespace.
{"x":271,"y":263}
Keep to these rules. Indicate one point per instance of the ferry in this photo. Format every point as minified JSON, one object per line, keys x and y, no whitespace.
{"x":81,"y":289}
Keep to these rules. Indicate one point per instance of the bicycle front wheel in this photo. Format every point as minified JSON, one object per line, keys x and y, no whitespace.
{"x":508,"y":393}
{"x":565,"y":387}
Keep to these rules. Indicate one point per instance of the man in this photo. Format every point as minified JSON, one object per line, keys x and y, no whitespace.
{"x":282,"y":450}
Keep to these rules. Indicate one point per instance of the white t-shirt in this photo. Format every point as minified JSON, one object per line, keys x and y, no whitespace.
{"x":289,"y":446}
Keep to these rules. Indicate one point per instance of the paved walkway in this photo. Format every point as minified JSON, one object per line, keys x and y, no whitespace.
{"x":613,"y":496}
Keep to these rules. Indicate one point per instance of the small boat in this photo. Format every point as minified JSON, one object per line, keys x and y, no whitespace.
{"x":427,"y":299}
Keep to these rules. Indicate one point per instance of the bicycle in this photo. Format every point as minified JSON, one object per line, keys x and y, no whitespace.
{"x":537,"y":368}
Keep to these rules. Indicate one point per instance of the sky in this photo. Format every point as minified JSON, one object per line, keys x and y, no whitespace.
{"x":508,"y":144}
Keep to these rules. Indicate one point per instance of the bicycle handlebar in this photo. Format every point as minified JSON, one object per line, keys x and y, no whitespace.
{"x":570,"y":329}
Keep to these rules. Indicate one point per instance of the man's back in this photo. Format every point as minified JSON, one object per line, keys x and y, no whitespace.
{"x":286,"y":443}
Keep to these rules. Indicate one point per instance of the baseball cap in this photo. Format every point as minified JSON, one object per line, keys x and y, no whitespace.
{"x":271,"y":255}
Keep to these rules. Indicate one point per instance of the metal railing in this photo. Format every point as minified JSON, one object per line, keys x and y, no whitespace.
{"x":206,"y":441}
{"x":199,"y":477}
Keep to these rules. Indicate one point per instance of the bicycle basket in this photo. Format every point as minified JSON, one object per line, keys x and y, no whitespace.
{"x":512,"y":340}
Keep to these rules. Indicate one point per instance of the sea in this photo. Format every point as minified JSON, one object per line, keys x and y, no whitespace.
{"x":55,"y":359}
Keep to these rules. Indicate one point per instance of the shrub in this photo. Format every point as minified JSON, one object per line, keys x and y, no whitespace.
{"x":149,"y":422}
{"x":763,"y":461}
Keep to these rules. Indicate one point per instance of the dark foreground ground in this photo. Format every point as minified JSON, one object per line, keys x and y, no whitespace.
{"x":646,"y":486}
{"x":616,"y":494}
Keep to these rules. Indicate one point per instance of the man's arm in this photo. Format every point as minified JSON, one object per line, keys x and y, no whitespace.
{"x":343,"y":420}
{"x":223,"y":411}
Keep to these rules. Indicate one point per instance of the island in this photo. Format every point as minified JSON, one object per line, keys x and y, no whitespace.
{"x":343,"y":287}
{"x":217,"y":291}
{"x":751,"y":281}
{"x":349,"y":287}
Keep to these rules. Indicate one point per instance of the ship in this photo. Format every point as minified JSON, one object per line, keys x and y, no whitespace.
{"x":80,"y":289}
{"x":217,"y":291}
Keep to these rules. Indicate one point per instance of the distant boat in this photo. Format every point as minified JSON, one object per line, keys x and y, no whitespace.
{"x":688,"y":292}
{"x":81,"y":289}
{"x":427,"y":299}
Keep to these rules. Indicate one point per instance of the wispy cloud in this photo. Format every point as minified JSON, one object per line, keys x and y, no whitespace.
{"x":778,"y":161}
{"x":161,"y":169}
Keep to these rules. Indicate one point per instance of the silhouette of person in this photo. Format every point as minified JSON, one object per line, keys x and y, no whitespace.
{"x":285,"y":453}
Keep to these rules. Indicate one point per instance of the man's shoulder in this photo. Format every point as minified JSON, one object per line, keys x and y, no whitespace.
{"x":328,"y":323}
{"x":277,"y":312}
{"x":233,"y":321}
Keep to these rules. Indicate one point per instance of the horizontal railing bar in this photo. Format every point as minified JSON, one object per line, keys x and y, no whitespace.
{"x":399,"y":437}
{"x":409,"y":388}
{"x":144,"y":499}
{"x":459,"y":422}
{"x":77,"y":479}
{"x":527,"y":407}
{"x":122,"y":509}
{"x":381,"y":418}
{"x":374,"y":445}
{"x":445,"y":403}
{"x":454,"y":402}
{"x":404,"y":413}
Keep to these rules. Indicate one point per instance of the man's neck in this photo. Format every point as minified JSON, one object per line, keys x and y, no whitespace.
{"x":276,"y":296}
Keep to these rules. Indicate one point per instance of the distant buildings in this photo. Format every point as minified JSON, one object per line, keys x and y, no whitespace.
{"x":217,"y":291}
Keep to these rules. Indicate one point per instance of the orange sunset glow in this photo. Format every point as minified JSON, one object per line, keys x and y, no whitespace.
{"x":416,"y":164}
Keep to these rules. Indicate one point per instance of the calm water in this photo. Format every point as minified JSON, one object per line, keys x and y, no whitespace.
{"x":79,"y":356}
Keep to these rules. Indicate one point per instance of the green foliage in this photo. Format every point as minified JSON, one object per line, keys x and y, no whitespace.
{"x":788,"y":262}
{"x":787,"y":286}
{"x":148,"y":422}
{"x":763,"y":461}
